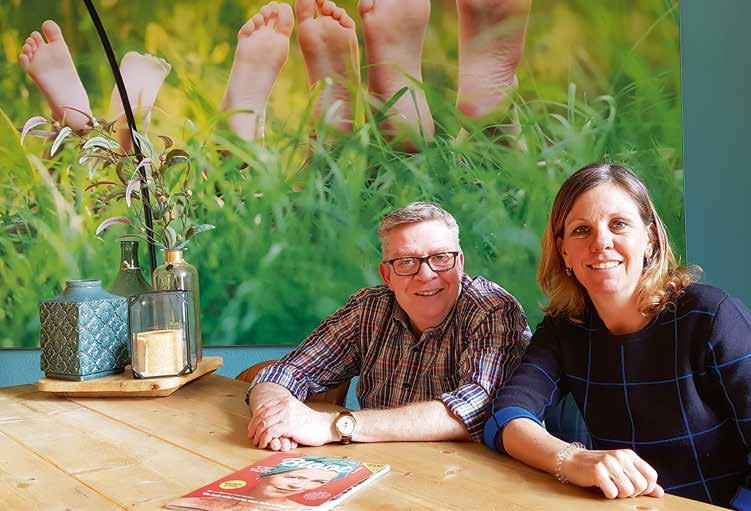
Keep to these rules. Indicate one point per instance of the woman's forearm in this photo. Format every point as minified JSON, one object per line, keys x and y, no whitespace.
{"x":618,"y":473}
{"x":529,"y":443}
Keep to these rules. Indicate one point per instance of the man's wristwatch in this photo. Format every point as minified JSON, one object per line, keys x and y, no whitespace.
{"x":345,"y":425}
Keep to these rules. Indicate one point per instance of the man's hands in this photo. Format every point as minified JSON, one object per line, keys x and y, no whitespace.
{"x":620,"y":473}
{"x":281,"y":422}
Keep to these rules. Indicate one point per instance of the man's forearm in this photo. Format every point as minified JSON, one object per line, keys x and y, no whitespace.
{"x":264,"y":392}
{"x":426,"y":421}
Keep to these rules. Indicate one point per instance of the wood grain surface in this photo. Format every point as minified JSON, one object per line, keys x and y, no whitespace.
{"x":59,"y":453}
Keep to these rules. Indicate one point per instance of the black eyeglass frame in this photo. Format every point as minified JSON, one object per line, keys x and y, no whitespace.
{"x":424,"y":260}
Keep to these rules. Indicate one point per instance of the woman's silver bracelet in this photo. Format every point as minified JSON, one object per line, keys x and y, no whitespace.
{"x":562,"y":456}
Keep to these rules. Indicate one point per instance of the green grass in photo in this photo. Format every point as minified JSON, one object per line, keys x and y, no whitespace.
{"x":296,"y":216}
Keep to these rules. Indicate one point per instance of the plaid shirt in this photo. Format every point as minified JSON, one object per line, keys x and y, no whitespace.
{"x":676,"y":392}
{"x":461,"y":362}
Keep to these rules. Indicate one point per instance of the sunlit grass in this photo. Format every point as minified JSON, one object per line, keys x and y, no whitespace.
{"x":296,"y":226}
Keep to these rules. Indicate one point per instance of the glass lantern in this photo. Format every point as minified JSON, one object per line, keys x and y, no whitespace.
{"x":162,"y":334}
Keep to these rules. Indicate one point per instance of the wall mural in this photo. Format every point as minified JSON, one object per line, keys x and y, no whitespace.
{"x":322,"y":124}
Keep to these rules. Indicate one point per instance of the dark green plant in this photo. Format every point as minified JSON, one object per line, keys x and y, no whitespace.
{"x":167,"y":176}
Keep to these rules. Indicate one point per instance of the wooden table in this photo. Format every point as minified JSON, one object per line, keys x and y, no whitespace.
{"x":139,"y":453}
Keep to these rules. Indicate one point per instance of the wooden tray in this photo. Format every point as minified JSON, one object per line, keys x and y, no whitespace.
{"x":124,"y":385}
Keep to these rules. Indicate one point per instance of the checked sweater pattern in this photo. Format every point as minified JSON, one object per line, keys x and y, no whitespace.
{"x":676,"y":392}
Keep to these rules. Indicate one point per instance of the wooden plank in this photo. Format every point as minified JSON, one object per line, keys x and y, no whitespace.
{"x":210,"y":418}
{"x":131,"y":468}
{"x":207,"y":430}
{"x":448,"y":475}
{"x":123,"y":384}
{"x":18,"y":390}
{"x":27,"y":482}
{"x":224,"y":393}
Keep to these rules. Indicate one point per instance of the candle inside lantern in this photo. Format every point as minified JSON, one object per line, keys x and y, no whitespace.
{"x":159,"y":352}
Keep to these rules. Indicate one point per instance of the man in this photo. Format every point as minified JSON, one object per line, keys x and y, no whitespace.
{"x":430,"y":347}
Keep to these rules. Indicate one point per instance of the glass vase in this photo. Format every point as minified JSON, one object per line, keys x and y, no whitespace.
{"x":130,"y":280}
{"x":162,"y":334}
{"x":177,"y":274}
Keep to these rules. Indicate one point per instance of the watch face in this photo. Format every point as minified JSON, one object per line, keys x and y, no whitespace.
{"x":345,"y":425}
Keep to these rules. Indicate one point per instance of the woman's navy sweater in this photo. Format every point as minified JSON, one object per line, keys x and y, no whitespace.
{"x":676,"y":392}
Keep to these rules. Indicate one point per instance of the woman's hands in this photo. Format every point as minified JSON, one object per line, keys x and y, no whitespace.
{"x":621,"y":473}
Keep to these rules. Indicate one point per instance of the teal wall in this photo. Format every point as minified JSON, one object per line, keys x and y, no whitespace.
{"x":716,"y":104}
{"x":22,"y":366}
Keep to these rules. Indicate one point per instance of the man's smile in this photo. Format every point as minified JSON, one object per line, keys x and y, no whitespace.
{"x":431,"y":292}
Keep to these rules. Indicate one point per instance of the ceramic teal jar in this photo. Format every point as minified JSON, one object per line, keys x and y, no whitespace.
{"x":84,"y":332}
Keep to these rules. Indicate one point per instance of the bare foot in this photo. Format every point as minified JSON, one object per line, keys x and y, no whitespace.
{"x":51,"y":67}
{"x":329,"y":45}
{"x":394,"y":34}
{"x":491,"y":43}
{"x":143,"y":76}
{"x":262,"y":49}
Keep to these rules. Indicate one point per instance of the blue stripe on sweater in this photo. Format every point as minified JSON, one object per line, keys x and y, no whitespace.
{"x":725,"y":391}
{"x":625,"y":396}
{"x":734,"y":361}
{"x":678,"y":486}
{"x":543,"y":371}
{"x":685,"y":419}
{"x":689,"y":313}
{"x":633,"y":383}
{"x":664,"y":440}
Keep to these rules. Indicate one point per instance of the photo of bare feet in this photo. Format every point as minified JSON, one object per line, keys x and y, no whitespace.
{"x":262,"y":50}
{"x":394,"y":32}
{"x":491,"y":43}
{"x":306,"y":120}
{"x":50,"y":65}
{"x":143,"y":76}
{"x":328,"y":42}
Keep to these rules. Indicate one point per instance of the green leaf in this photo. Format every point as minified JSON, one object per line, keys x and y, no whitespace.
{"x":31,"y":124}
{"x":101,"y":143}
{"x":120,"y":172}
{"x":198,"y":229}
{"x":113,"y":195}
{"x":382,"y":113}
{"x":167,"y":141}
{"x":176,"y":156}
{"x":171,"y":236}
{"x":59,"y":139}
{"x":112,"y":221}
{"x":131,"y":188}
{"x":157,"y":210}
{"x":147,"y":148}
{"x":99,"y":183}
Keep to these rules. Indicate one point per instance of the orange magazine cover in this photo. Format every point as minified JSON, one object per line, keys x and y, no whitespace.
{"x":283,"y":482}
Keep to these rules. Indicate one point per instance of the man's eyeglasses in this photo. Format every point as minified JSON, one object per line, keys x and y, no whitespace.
{"x":406,"y":266}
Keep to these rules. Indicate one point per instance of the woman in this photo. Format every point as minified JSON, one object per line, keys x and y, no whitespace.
{"x":658,"y":365}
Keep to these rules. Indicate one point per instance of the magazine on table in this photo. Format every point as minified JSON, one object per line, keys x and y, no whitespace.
{"x":282,"y":482}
